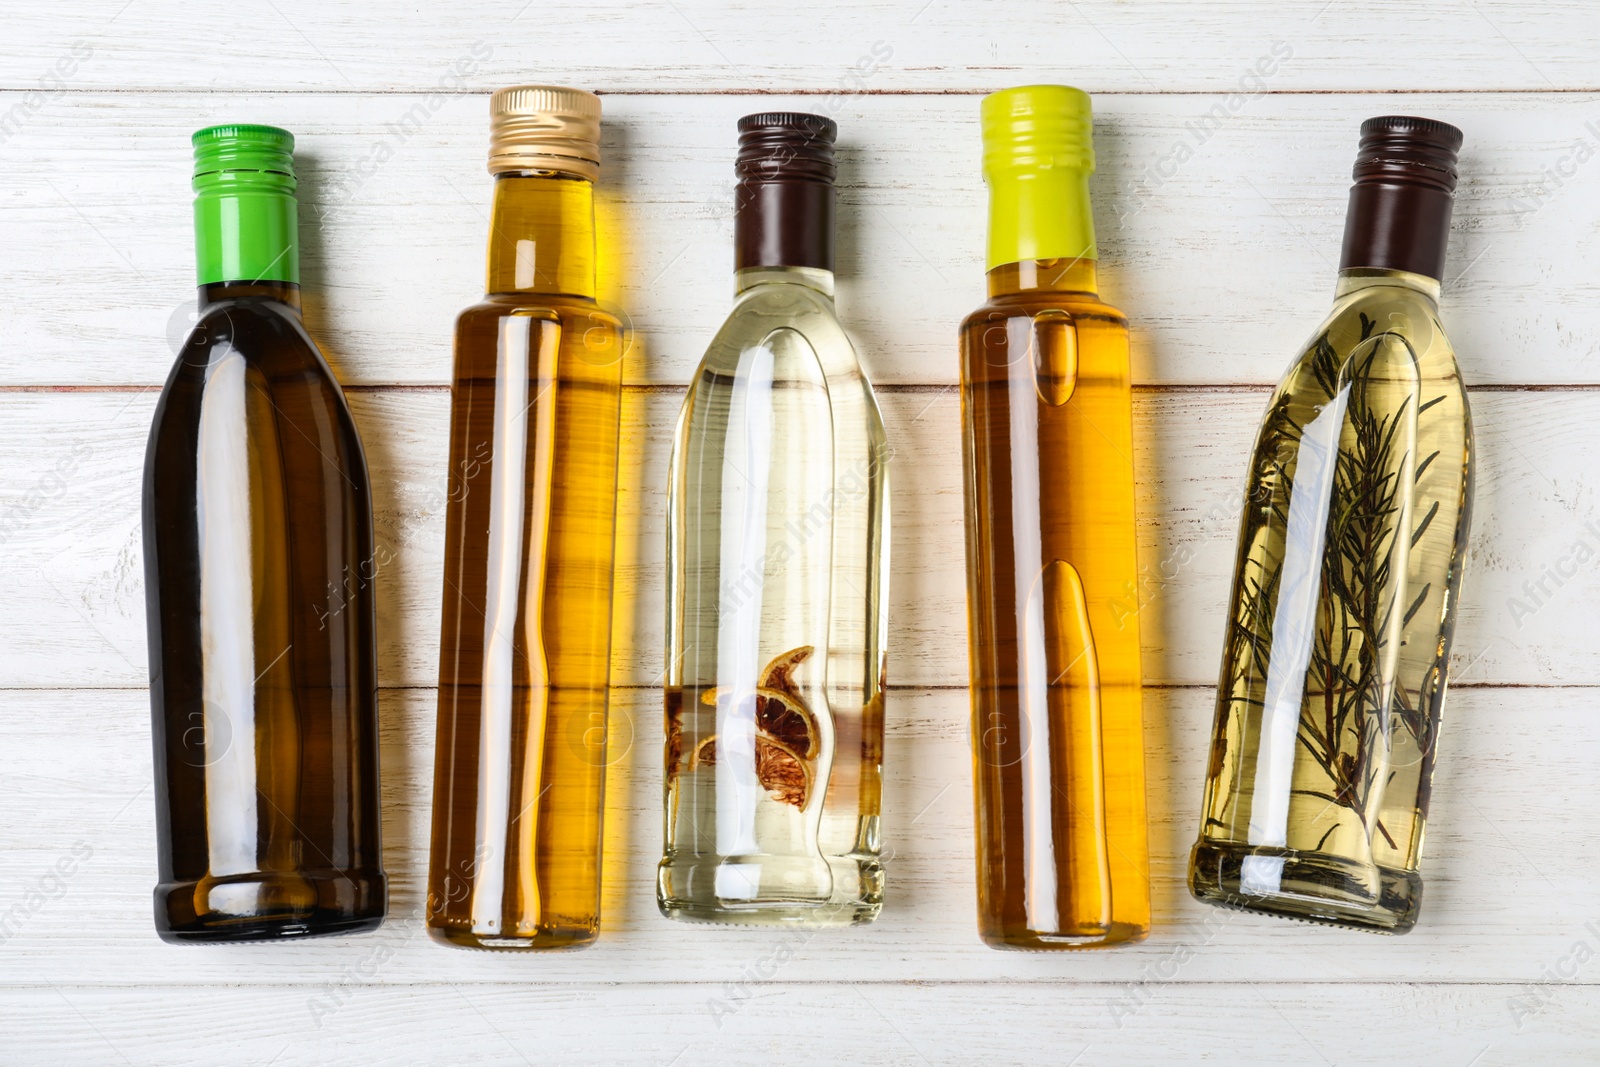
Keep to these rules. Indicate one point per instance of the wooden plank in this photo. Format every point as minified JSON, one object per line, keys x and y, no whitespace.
{"x":531,"y":1022}
{"x":72,"y":468}
{"x":828,"y":48}
{"x":1222,"y":253}
{"x":1509,"y":888}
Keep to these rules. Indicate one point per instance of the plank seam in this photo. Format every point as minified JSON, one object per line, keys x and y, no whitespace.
{"x":902,"y":388}
{"x":1528,"y":90}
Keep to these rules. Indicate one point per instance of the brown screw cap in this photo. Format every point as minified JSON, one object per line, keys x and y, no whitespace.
{"x":784,"y":213}
{"x":1405,"y":180}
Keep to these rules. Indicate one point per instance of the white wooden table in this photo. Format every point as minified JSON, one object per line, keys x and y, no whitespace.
{"x":1223,"y":258}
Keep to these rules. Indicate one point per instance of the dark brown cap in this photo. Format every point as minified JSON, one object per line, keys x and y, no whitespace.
{"x":784,"y":215}
{"x":1405,"y":180}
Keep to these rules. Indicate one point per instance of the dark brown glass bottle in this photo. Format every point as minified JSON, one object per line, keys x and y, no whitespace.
{"x":258,"y":586}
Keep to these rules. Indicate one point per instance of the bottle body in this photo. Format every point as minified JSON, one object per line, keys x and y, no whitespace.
{"x":1052,"y":578}
{"x":258,"y":579}
{"x":529,"y":543}
{"x":778,"y":537}
{"x":1348,"y":573}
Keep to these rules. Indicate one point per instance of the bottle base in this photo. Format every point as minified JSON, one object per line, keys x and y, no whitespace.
{"x":1306,"y":886}
{"x":271,"y":907}
{"x":544,"y":939}
{"x":687,"y":891}
{"x":853,"y":913}
{"x":1020,"y":939}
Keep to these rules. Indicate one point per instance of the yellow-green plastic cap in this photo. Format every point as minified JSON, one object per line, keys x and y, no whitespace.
{"x":1038,"y":153}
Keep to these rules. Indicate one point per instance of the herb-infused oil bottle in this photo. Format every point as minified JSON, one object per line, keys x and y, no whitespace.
{"x":535,"y":405}
{"x":1052,"y":567}
{"x":1348,"y":575}
{"x":778,"y":565}
{"x":258,"y":554}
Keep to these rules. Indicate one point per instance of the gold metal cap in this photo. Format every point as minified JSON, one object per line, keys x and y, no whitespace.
{"x":544,"y":127}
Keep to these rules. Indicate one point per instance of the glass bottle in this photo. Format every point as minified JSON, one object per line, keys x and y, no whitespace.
{"x":1348,"y":575}
{"x":778,"y":564}
{"x":1052,"y":565}
{"x":535,"y":405}
{"x":258,"y":588}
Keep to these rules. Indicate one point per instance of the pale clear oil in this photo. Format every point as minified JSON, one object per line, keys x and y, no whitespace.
{"x":1334,"y":665}
{"x":778,"y":538}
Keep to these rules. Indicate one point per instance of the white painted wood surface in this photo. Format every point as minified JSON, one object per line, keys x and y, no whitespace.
{"x":1223,"y":261}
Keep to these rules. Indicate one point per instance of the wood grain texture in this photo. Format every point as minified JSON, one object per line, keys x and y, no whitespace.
{"x":1506,"y":895}
{"x":700,"y":45}
{"x":1224,"y":259}
{"x":896,"y":1025}
{"x":1219,"y":203}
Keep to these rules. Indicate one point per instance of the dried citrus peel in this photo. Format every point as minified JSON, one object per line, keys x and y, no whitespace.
{"x":786,"y":731}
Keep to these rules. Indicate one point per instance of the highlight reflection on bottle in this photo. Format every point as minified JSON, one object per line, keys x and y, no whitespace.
{"x":529,"y":536}
{"x":778,"y":542}
{"x":258,"y":555}
{"x":1348,"y":575}
{"x":1047,"y":431}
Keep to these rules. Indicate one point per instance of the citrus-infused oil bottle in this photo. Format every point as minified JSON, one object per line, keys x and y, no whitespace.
{"x":519,"y":770}
{"x":258,"y":555}
{"x":778,"y":564}
{"x":1052,"y":568}
{"x":1348,"y":575}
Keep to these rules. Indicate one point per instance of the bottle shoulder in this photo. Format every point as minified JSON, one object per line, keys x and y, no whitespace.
{"x":555,"y":306}
{"x":592,"y":340}
{"x":246,"y":320}
{"x":1399,"y":306}
{"x":801,"y":308}
{"x":258,"y":348}
{"x":1037,"y":302}
{"x":1397,"y":321}
{"x":792,"y":312}
{"x":784,"y":296}
{"x":268,"y":335}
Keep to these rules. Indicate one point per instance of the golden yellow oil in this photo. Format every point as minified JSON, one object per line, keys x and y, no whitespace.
{"x":1052,"y":579}
{"x":526,"y":641}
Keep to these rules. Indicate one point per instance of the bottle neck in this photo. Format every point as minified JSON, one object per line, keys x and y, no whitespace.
{"x":1044,"y":275}
{"x":1354,"y":279}
{"x":541,"y":235}
{"x":779,"y":224}
{"x":1396,"y":225}
{"x":1039,"y":214}
{"x":287,"y":293}
{"x":245,"y":231}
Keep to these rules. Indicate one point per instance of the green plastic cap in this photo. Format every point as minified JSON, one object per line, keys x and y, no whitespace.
{"x":1038,"y":153}
{"x":245,"y":216}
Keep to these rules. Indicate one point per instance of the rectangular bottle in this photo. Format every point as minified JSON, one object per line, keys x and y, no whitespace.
{"x":778,"y":565}
{"x":1348,"y":575}
{"x":258,"y":589}
{"x":529,"y":538}
{"x":1052,"y":564}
